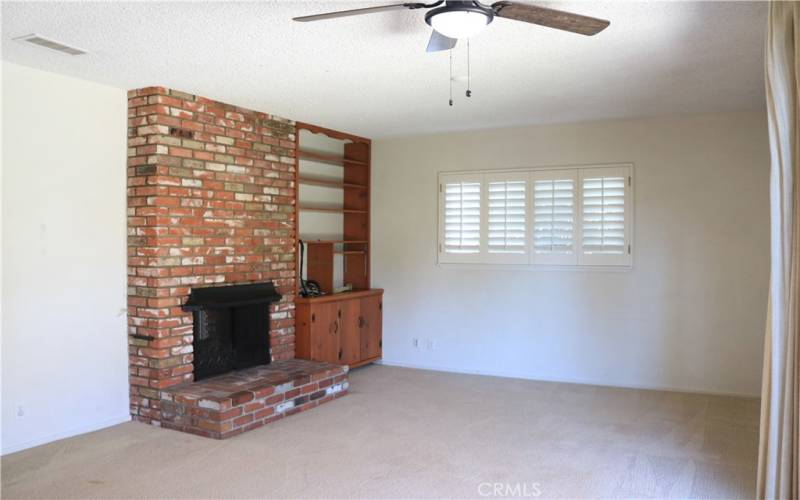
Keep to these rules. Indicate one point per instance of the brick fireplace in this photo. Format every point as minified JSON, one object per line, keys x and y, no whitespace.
{"x":211,"y":202}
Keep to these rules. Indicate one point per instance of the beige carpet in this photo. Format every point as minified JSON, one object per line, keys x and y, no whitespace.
{"x":413,"y":433}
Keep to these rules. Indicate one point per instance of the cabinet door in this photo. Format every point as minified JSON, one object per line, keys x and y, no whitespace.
{"x":349,"y":333}
{"x":325,"y":332}
{"x":371,"y":325}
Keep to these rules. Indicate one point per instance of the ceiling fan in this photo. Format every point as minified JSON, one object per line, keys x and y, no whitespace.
{"x":463,"y":19}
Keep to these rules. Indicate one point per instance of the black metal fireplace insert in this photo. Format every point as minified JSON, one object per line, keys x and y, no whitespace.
{"x":231,"y":327}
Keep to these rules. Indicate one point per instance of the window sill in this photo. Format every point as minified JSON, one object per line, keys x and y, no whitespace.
{"x":533,"y":267}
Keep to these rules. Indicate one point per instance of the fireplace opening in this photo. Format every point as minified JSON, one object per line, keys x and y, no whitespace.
{"x":231,"y":327}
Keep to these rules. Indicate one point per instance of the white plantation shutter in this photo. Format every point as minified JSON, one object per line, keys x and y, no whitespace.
{"x":506,"y":202}
{"x":565,"y":216}
{"x":605,"y":216}
{"x":460,"y":226}
{"x":554,"y":217}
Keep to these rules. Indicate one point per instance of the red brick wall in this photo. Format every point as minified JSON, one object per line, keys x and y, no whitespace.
{"x":211,"y":200}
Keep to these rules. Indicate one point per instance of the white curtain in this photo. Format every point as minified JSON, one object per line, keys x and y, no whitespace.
{"x":779,"y":454}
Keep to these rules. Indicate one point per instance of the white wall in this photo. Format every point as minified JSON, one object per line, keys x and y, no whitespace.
{"x":689,"y":316}
{"x":64,"y":347}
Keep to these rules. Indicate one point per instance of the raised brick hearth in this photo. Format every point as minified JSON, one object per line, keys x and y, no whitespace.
{"x":226,"y":405}
{"x":211,"y":202}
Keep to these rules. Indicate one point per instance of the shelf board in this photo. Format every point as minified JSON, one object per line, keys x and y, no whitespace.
{"x":337,"y":242}
{"x":339,"y":210}
{"x":329,"y":183}
{"x":328,"y":158}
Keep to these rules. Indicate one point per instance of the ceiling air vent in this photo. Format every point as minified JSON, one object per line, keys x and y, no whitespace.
{"x":50,"y":44}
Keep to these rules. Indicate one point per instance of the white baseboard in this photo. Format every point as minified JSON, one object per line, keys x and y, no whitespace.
{"x":500,"y":373}
{"x":49,"y":438}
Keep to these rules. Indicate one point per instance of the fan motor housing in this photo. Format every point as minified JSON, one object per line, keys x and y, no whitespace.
{"x":461,"y":6}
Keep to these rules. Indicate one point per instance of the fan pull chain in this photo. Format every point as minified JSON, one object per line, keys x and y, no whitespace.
{"x":451,"y":77}
{"x":469,"y":92}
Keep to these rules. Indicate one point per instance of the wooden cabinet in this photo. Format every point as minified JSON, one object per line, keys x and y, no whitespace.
{"x":342,"y":328}
{"x":325,"y":322}
{"x":371,"y":323}
{"x":349,"y":334}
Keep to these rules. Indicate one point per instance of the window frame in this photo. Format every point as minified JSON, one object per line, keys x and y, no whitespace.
{"x":484,"y":260}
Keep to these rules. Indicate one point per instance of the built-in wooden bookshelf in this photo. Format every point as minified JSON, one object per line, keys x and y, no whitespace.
{"x":353,"y":179}
{"x":346,"y":327}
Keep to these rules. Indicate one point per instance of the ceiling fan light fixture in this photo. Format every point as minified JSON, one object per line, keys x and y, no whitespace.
{"x":458,"y":22}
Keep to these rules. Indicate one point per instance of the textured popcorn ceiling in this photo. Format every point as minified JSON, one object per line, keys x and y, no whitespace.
{"x":370,"y":75}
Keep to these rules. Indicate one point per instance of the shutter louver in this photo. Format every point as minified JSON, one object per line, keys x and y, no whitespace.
{"x":462,"y":217}
{"x":603,"y":215}
{"x":506,"y":231}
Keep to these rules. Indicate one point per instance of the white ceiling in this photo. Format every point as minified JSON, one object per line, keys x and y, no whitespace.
{"x":370,"y":75}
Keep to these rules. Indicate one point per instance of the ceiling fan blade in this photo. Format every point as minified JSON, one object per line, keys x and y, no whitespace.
{"x":551,"y":18}
{"x":357,"y":12}
{"x":440,"y":42}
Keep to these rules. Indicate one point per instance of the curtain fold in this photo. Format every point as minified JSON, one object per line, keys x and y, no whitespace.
{"x":779,"y":453}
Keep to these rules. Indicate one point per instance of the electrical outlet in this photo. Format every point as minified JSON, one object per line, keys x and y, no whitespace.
{"x":415,"y":343}
{"x":430,"y":344}
{"x":20,"y":411}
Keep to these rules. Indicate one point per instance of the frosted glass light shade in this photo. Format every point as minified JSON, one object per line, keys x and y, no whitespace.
{"x":459,"y":23}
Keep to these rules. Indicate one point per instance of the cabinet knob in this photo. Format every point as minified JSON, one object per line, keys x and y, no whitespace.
{"x":340,"y":354}
{"x":361,"y":322}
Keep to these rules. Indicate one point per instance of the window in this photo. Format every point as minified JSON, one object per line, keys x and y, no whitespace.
{"x":578,"y":216}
